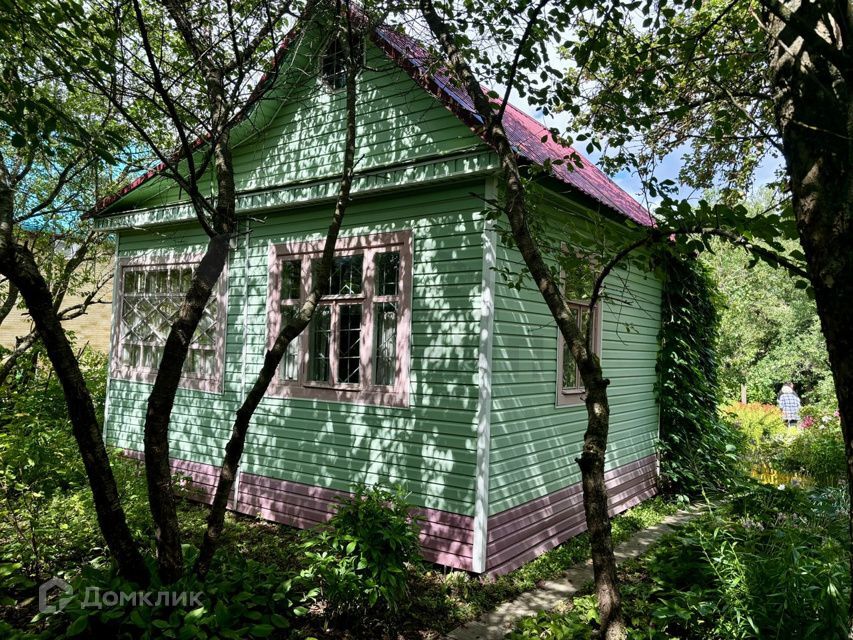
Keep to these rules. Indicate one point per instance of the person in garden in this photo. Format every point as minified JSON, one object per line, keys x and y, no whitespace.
{"x":789,"y":403}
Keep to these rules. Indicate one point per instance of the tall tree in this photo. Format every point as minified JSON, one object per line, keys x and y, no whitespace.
{"x":728,"y":85}
{"x":523,"y":42}
{"x":515,"y":207}
{"x":348,"y":28}
{"x":197,"y":67}
{"x":52,"y":134}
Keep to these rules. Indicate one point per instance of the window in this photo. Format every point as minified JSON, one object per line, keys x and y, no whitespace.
{"x":334,"y":63}
{"x":151,"y":293}
{"x":356,"y":347}
{"x":578,"y":286}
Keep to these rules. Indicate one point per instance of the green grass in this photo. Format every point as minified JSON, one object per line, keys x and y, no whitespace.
{"x":768,"y":563}
{"x":444,"y":601}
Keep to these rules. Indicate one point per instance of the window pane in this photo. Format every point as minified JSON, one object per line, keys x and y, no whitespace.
{"x":148,"y":312}
{"x":288,"y":368}
{"x":175,"y":283}
{"x":318,"y":360}
{"x":385,"y":343}
{"x":387,"y":273}
{"x":570,"y":371}
{"x":579,"y":277}
{"x":130,"y":355}
{"x":291,"y":275}
{"x":151,"y":356}
{"x":130,"y":281}
{"x":334,"y":65}
{"x":186,"y":279}
{"x":583,"y":320}
{"x":165,"y":311}
{"x":349,"y":343}
{"x":345,"y":278}
{"x":156,"y":281}
{"x":205,"y":333}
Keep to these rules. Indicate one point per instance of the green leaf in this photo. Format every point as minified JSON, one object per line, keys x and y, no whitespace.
{"x":78,"y":626}
{"x":195,"y":615}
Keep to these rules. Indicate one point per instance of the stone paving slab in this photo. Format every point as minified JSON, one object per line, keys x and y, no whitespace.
{"x":495,"y":624}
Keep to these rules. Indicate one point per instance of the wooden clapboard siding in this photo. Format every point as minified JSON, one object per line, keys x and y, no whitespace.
{"x":304,"y":129}
{"x":519,"y":534}
{"x":533,"y":442}
{"x":427,"y":447}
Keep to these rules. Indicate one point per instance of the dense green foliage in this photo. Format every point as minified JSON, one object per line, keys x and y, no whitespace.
{"x":812,"y":452}
{"x":769,"y":331}
{"x":243,"y":598}
{"x":47,"y":519}
{"x":268,"y":579}
{"x":764,"y":436}
{"x":361,"y":559}
{"x":817,"y":451}
{"x":697,"y":448}
{"x":770,"y":565}
{"x":756,"y":421}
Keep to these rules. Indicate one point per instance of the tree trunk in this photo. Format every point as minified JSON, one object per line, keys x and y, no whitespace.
{"x":811,"y":74}
{"x":592,"y":457}
{"x":160,"y":403}
{"x":18,"y":264}
{"x":234,"y":448}
{"x":595,"y":501}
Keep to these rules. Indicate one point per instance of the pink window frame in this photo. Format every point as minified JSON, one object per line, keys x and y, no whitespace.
{"x":140,"y":374}
{"x":395,"y":395}
{"x":575,"y":397}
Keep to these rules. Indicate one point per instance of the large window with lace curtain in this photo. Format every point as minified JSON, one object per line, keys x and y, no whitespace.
{"x":356,"y":347}
{"x":150,"y":292}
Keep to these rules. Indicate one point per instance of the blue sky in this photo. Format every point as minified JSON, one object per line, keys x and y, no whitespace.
{"x":668,"y":168}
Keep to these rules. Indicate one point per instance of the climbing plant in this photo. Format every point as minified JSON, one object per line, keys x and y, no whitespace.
{"x":697,"y":449}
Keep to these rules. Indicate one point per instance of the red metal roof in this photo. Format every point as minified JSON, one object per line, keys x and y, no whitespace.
{"x":524,"y":132}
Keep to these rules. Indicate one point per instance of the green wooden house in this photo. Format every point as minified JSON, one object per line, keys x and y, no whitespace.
{"x":424,"y":367}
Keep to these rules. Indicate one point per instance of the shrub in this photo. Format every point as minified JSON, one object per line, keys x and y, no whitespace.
{"x":47,"y":516}
{"x":360,"y":559}
{"x":765,"y":434}
{"x":818,"y":452}
{"x":773,"y":565}
{"x":573,"y":625}
{"x":756,"y":421}
{"x":240,"y":599}
{"x":770,"y":570}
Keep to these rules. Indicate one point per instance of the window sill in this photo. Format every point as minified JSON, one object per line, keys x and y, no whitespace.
{"x":388,"y":397}
{"x":206,"y":385}
{"x":570,"y":398}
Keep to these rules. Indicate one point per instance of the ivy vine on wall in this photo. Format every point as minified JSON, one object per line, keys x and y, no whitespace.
{"x":697,"y":449}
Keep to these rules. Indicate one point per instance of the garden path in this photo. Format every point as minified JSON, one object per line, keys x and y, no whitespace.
{"x":495,"y":624}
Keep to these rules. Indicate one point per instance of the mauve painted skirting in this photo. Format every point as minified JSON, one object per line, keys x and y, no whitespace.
{"x":515,"y":536}
{"x":521,"y":533}
{"x":446,"y":538}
